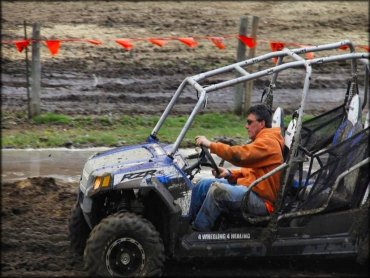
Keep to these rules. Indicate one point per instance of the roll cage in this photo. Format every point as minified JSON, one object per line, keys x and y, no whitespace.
{"x":202,"y":91}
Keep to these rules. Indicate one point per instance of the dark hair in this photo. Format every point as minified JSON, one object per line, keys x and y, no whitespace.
{"x":262,"y":112}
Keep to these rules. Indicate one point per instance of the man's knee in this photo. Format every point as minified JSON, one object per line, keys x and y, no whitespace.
{"x":205,"y":182}
{"x":220,"y":193}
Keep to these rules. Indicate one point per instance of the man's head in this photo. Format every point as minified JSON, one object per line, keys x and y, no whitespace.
{"x":258,"y":117}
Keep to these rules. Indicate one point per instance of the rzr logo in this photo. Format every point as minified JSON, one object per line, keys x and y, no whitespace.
{"x":138,"y":175}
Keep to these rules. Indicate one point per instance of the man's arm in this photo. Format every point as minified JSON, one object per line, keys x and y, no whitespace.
{"x":232,"y":176}
{"x":259,"y":153}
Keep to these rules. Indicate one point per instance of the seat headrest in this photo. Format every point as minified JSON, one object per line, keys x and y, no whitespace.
{"x":352,"y":123}
{"x":289,"y":133}
{"x":278,"y":119}
{"x":354,"y":110}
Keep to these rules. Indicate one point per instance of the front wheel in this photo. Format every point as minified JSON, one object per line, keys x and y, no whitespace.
{"x":124,"y":244}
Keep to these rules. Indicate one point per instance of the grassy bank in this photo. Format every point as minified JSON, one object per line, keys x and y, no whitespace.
{"x":56,"y":130}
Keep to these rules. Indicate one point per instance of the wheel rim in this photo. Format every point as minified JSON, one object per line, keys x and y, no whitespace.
{"x":124,"y":257}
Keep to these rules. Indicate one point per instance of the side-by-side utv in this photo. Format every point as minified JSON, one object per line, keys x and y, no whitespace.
{"x":132,"y":202}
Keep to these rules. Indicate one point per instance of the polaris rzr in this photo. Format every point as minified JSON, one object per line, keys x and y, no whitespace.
{"x":132,"y":203}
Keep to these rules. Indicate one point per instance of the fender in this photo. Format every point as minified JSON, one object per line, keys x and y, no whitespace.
{"x":153,"y":183}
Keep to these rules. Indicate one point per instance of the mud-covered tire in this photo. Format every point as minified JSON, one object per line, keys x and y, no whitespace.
{"x":78,"y":230}
{"x":124,"y":244}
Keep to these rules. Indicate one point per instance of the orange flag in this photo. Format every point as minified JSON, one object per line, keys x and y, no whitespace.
{"x":158,"y":42}
{"x":20,"y":45}
{"x":188,"y":41}
{"x":365,"y":47}
{"x":53,"y":46}
{"x":344,"y":47}
{"x":125,"y":43}
{"x":276,"y":46}
{"x":250,"y":42}
{"x":218,"y":42}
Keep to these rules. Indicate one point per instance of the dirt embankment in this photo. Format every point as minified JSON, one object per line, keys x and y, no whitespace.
{"x":34,"y":239}
{"x":87,"y":79}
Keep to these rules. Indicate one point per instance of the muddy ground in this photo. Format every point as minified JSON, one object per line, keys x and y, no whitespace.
{"x":86,"y":80}
{"x":34,"y":242}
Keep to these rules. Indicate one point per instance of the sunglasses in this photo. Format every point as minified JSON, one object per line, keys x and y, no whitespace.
{"x":249,"y":122}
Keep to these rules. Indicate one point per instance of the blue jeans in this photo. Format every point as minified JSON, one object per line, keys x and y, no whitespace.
{"x":209,"y":199}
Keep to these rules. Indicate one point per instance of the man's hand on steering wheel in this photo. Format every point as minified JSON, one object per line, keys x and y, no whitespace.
{"x":202,"y":141}
{"x":224,"y":173}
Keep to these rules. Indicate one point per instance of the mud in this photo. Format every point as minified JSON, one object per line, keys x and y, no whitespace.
{"x":35,"y":243}
{"x":34,"y":232}
{"x":85,"y":79}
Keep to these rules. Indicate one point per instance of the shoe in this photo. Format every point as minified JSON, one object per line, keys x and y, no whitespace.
{"x":191,"y":229}
{"x":194,"y":229}
{"x":186,"y":218}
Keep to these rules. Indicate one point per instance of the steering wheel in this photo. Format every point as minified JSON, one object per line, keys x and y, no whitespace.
{"x":206,"y":159}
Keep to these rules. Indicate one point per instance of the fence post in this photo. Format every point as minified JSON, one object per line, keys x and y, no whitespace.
{"x":240,"y":56}
{"x":251,"y":54}
{"x":35,"y":71}
{"x":27,"y":73}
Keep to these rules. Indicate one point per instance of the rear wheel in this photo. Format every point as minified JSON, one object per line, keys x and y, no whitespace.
{"x":124,"y":245}
{"x":78,"y":230}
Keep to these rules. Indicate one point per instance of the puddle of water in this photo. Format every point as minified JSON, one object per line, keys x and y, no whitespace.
{"x":61,"y":163}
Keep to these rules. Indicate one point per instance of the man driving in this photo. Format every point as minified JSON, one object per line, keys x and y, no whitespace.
{"x":210,"y":197}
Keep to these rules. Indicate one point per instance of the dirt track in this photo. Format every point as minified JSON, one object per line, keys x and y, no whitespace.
{"x":85,"y":79}
{"x":34,"y":242}
{"x":88,"y":79}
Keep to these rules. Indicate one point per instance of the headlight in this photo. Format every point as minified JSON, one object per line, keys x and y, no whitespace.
{"x":101,"y":182}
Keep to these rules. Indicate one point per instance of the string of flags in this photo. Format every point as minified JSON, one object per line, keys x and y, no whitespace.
{"x":192,"y":42}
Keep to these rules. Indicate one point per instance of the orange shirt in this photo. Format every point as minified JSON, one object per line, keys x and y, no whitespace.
{"x":256,"y":159}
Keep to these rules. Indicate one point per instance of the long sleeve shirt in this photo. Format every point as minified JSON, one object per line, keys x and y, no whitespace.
{"x":255,"y":159}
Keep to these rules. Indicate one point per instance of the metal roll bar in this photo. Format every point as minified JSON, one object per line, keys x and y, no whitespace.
{"x":245,"y":76}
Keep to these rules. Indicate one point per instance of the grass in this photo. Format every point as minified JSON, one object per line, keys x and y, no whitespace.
{"x":51,"y":118}
{"x":57,"y":130}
